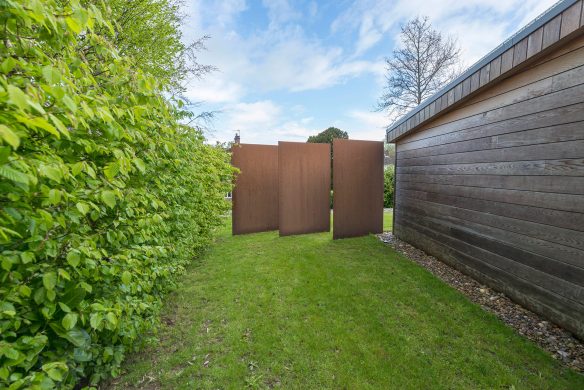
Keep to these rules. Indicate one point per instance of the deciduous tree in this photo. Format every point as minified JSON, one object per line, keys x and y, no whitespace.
{"x":425,"y":61}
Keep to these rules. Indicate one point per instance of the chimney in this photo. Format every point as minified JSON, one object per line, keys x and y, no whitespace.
{"x":236,"y":139}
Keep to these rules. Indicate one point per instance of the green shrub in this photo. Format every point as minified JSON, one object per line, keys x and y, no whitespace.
{"x":388,"y":181}
{"x":105,"y":196}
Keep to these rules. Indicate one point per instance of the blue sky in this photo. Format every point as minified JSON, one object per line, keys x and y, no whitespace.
{"x":289,"y":69}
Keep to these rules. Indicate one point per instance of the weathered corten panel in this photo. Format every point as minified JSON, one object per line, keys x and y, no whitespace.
{"x":495,"y":187}
{"x":255,"y":196}
{"x":304,"y":187}
{"x":358,"y":188}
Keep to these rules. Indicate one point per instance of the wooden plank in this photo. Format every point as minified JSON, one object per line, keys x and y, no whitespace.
{"x":551,"y":151}
{"x":495,"y":68}
{"x":547,"y":102}
{"x":534,"y":42}
{"x":520,"y":53}
{"x":564,"y":227}
{"x":573,"y":167}
{"x":474,"y":81}
{"x":551,"y":31}
{"x":358,"y":188}
{"x":474,"y":235}
{"x":549,"y":134}
{"x":507,"y":61}
{"x":457,"y":94}
{"x":304,"y":187}
{"x":572,"y":294}
{"x":553,"y":184}
{"x":548,"y":200}
{"x":547,"y":118}
{"x":485,"y":74}
{"x":571,"y":19}
{"x":503,"y":229}
{"x":523,"y":292}
{"x":501,"y":90}
{"x":466,"y":87}
{"x":571,"y":45}
{"x":255,"y":196}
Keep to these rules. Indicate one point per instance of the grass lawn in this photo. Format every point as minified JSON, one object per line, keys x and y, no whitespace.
{"x":387,"y":221}
{"x":306,"y":312}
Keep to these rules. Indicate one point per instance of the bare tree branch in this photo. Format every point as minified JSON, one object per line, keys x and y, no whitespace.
{"x":425,"y":63}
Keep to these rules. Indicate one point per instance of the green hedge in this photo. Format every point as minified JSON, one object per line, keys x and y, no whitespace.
{"x":388,"y":180}
{"x":105,"y":196}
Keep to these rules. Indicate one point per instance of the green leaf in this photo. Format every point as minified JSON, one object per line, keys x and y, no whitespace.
{"x":7,"y":308}
{"x":95,"y":320}
{"x":54,"y":196}
{"x":112,"y":319}
{"x":4,"y":154}
{"x":50,"y":280}
{"x":69,"y":321}
{"x":73,"y":296}
{"x":9,"y":136}
{"x":17,"y":97}
{"x":14,"y":175}
{"x":51,"y":74}
{"x":51,"y":172}
{"x":109,"y":198}
{"x":4,"y":373}
{"x":60,"y":126}
{"x":7,"y":65}
{"x":111,"y":170}
{"x":79,"y":337}
{"x":55,"y":370}
{"x":25,"y":291}
{"x":139,"y":164}
{"x":39,"y":123}
{"x":73,"y":25}
{"x":126,"y":277}
{"x":73,"y":258}
{"x":70,"y":103}
{"x":64,"y":307}
{"x":82,"y":207}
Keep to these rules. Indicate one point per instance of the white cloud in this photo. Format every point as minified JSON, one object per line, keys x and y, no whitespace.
{"x":259,"y":65}
{"x":479,"y":24}
{"x":214,"y":89}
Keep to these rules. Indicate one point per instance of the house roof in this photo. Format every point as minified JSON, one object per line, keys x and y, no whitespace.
{"x":562,"y":21}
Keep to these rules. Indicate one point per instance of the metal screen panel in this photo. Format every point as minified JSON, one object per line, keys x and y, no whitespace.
{"x":358,"y":188}
{"x":255,"y":196}
{"x":304,"y":190}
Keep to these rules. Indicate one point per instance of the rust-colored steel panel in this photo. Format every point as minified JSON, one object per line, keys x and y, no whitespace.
{"x":358,"y":188}
{"x":304,"y":191}
{"x":255,"y":196}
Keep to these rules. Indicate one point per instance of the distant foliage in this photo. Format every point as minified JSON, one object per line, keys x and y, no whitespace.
{"x":327,"y":136}
{"x":388,"y":181}
{"x":105,"y":195}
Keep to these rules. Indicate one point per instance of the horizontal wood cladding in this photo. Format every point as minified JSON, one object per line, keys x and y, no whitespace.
{"x":553,"y":184}
{"x":529,"y":236}
{"x":538,"y":299}
{"x":496,"y":186}
{"x":560,"y":278}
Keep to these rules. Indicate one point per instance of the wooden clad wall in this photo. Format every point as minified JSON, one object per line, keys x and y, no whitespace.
{"x":496,"y":187}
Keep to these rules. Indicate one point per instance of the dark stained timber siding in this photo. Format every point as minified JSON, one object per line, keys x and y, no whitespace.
{"x":495,"y":187}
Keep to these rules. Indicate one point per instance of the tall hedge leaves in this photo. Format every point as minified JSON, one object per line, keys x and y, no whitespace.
{"x":104,"y":196}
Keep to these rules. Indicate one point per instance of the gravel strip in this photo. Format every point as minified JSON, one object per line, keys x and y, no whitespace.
{"x":563,"y":346}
